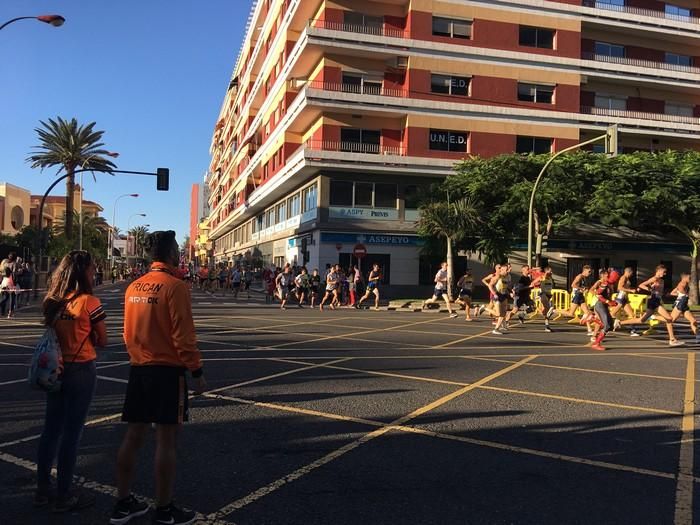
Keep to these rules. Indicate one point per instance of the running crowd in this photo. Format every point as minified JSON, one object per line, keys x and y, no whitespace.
{"x":608,"y":309}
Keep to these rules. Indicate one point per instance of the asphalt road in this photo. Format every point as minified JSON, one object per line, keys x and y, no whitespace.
{"x":364,"y":417}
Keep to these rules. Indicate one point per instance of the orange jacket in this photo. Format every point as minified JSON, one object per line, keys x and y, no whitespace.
{"x":74,"y":326}
{"x":158,"y":324}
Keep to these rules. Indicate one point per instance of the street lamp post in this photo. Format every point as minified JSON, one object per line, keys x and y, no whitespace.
{"x":114,"y":222}
{"x":53,"y":20}
{"x":82,"y":193}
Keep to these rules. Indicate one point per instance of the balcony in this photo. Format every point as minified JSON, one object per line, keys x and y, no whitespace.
{"x":357,"y":89}
{"x":638,"y":11}
{"x":640,"y":115}
{"x":354,"y":147}
{"x":640,"y":63}
{"x":374,"y":30}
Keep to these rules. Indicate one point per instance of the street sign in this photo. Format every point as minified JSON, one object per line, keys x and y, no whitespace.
{"x":359,"y":251}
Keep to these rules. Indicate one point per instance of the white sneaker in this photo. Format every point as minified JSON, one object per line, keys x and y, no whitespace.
{"x":634,"y":333}
{"x":550,"y":312}
{"x":496,"y":332}
{"x":675,"y":343}
{"x":452,"y":316}
{"x":589,"y":333}
{"x":617,"y":324}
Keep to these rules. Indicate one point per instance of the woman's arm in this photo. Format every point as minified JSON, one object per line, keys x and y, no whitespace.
{"x":99,"y":334}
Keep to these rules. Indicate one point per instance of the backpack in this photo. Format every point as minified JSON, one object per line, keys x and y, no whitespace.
{"x":47,"y":363}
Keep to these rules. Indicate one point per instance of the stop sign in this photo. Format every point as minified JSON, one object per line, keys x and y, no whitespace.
{"x":359,"y":251}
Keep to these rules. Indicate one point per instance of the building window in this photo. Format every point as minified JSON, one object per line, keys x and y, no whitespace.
{"x":452,"y":27}
{"x":450,"y":85}
{"x":259,"y":224}
{"x":282,"y":212}
{"x":678,"y":60}
{"x":17,"y":217}
{"x":363,"y":194}
{"x":355,"y":83}
{"x":385,"y":195}
{"x":678,"y":12}
{"x":535,"y":93}
{"x":341,"y":193}
{"x":411,"y":197}
{"x":443,"y":140}
{"x":294,"y":205}
{"x":611,"y":102}
{"x":309,"y":198}
{"x":270,"y":217}
{"x":537,"y":37}
{"x":606,"y":3}
{"x":681,"y":110}
{"x":609,"y":50}
{"x":360,"y":140}
{"x":535,"y":145}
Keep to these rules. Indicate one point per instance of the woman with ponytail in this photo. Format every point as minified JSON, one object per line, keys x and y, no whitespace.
{"x":78,"y":318}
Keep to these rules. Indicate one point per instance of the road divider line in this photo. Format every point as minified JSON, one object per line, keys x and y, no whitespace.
{"x":302,"y":471}
{"x":495,"y":388}
{"x":684,"y":486}
{"x":461,"y":340}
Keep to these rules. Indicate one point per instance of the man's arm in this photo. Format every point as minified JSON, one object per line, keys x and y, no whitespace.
{"x":184,"y":337}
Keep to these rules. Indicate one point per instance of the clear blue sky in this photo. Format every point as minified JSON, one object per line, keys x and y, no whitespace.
{"x":151,"y":73}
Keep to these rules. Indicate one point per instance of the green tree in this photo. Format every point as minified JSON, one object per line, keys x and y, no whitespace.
{"x":452,"y":221}
{"x":71,"y":146}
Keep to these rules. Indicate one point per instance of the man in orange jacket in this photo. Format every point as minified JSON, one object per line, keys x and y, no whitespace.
{"x":162,"y":345}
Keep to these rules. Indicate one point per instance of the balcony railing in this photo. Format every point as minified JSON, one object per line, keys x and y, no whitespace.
{"x":641,"y":115}
{"x":356,"y":89}
{"x":639,"y":11}
{"x":375,"y":30}
{"x":354,"y":147}
{"x":639,"y":63}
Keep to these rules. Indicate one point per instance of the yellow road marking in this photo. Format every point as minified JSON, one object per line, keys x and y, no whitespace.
{"x":302,"y":471}
{"x":591,"y":370}
{"x":494,"y":388}
{"x":684,"y":487}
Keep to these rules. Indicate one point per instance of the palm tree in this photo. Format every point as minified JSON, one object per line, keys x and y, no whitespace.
{"x":139,"y":234}
{"x":453,"y":221}
{"x":71,"y":146}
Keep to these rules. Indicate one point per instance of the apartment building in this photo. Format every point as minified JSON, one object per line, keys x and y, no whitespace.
{"x":338,"y":111}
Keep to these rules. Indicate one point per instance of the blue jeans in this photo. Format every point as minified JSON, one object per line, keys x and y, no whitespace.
{"x":66,"y":411}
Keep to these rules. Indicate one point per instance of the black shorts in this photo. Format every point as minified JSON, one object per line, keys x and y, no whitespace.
{"x":156,"y":394}
{"x":522,"y":301}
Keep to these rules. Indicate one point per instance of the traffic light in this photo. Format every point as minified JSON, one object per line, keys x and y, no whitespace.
{"x":162,"y":179}
{"x":611,"y":143}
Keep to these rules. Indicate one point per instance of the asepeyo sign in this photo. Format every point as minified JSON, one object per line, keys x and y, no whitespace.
{"x":372,"y":214}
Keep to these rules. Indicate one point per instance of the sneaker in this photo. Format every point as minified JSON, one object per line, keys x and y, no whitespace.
{"x":452,"y":316}
{"x":648,"y":331}
{"x":634,"y":333}
{"x":496,"y":332}
{"x":617,"y":324}
{"x":73,"y":502}
{"x":550,"y":312}
{"x":675,"y":343}
{"x":590,"y":333}
{"x":597,"y":347}
{"x":548,"y":329}
{"x":127,"y":509}
{"x":481,"y":310}
{"x":172,"y":515}
{"x":521,"y":319}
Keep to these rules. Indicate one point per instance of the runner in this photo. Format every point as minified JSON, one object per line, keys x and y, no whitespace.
{"x":655,"y":287}
{"x":500,"y":288}
{"x":579,"y":288}
{"x":546,"y":283}
{"x":247,"y":279}
{"x":331,"y":289}
{"x":624,"y":288}
{"x":603,"y":290}
{"x":490,"y":306}
{"x":440,"y":291}
{"x":375,"y":276}
{"x":523,"y":295}
{"x":223,"y":278}
{"x":466,"y":287}
{"x":315,"y":284}
{"x":160,"y":339}
{"x":680,"y":306}
{"x":302,"y":282}
{"x":282,"y":283}
{"x":236,"y":282}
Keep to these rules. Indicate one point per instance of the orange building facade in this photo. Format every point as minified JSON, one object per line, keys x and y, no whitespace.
{"x":338,"y":111}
